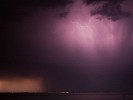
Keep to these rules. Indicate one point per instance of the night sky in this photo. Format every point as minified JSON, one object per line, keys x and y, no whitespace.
{"x":74,"y":45}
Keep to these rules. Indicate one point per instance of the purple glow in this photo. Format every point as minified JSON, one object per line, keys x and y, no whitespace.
{"x":63,"y":43}
{"x":88,"y":34}
{"x":79,"y":33}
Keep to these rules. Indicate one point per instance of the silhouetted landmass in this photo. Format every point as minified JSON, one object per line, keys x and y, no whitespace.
{"x":67,"y":96}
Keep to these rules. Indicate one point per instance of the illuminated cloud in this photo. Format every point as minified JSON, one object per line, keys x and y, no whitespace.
{"x":89,"y":35}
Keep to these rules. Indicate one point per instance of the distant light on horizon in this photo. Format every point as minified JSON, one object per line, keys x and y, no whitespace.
{"x":21,"y":85}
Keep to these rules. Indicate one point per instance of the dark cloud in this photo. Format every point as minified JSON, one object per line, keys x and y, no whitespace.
{"x":97,"y":1}
{"x":19,"y":8}
{"x":111,"y":9}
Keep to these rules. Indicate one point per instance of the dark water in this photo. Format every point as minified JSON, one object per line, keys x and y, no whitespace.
{"x":66,"y":96}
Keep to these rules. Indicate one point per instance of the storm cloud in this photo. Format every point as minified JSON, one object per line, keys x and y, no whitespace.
{"x":76,"y":45}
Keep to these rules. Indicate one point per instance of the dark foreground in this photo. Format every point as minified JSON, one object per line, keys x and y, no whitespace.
{"x":66,"y":96}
